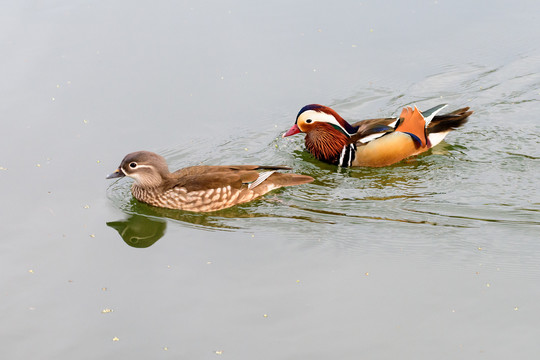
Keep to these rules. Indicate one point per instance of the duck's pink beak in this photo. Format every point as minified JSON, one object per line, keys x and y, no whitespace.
{"x":293,"y":130}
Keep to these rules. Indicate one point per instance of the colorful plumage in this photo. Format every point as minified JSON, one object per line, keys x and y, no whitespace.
{"x":200,"y":188}
{"x":373,"y":142}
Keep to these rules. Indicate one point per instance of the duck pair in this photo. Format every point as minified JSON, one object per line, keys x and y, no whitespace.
{"x":329,"y":138}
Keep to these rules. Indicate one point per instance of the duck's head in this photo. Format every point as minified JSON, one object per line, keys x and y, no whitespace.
{"x":148,"y":169}
{"x":319,"y":117}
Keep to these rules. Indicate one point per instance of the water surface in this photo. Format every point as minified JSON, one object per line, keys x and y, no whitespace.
{"x":434,"y":257}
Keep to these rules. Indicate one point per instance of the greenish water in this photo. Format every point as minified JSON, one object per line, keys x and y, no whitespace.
{"x":436,"y":257}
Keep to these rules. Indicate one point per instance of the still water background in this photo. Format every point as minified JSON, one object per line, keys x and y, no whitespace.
{"x":433,"y":258}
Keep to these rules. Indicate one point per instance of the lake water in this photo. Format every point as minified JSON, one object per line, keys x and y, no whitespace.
{"x":436,"y":257}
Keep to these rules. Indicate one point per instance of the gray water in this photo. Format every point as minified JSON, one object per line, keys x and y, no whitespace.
{"x":436,"y":257}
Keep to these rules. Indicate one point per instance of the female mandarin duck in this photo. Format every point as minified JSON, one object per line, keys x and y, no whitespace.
{"x":373,"y":142}
{"x":200,"y":188}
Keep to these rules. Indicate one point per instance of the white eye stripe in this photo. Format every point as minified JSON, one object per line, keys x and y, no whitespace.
{"x":138,"y":166}
{"x":144,"y":166}
{"x":316,"y":116}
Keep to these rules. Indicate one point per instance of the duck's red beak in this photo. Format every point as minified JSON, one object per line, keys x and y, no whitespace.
{"x":293,"y":130}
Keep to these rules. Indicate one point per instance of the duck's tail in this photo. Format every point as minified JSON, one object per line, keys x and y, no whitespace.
{"x":450,"y":121}
{"x":441,"y":125}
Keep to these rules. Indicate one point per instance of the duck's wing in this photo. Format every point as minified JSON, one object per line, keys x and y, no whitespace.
{"x":238,"y":177}
{"x":371,"y":129}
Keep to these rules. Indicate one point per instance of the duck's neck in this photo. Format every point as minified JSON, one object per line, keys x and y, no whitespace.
{"x":326,"y":143}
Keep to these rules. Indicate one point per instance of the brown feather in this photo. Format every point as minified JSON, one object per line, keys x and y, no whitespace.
{"x":325,"y":142}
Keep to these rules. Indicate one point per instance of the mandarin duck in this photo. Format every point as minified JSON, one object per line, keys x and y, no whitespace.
{"x":200,"y":188}
{"x":373,"y":142}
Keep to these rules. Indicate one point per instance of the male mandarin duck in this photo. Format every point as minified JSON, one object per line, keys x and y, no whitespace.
{"x":373,"y":142}
{"x":200,"y":188}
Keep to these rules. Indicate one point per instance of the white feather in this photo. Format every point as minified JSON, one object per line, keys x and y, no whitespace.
{"x":371,"y":137}
{"x":435,"y":138}
{"x":262,"y":176}
{"x":432,"y":112}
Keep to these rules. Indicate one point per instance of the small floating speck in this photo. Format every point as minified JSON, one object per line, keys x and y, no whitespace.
{"x":208,"y":262}
{"x":87,"y":206}
{"x":106,"y":311}
{"x":53,"y":99}
{"x":85,"y":121}
{"x":354,"y":46}
{"x":488,"y":285}
{"x":246,"y":149}
{"x":31,"y":271}
{"x":367,"y":274}
{"x":265,"y":316}
{"x":3,"y":168}
{"x":516,"y":308}
{"x":38,"y":165}
{"x":165,"y":348}
{"x":103,"y":289}
{"x":57,"y":86}
{"x":92,"y":235}
{"x":218,"y":352}
{"x":480,"y":248}
{"x":115,"y":339}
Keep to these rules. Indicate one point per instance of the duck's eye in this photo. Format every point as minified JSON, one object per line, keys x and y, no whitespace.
{"x":309,"y":121}
{"x":133,"y":165}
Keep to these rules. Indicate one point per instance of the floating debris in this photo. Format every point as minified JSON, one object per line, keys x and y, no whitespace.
{"x":106,"y":311}
{"x":218,"y":352}
{"x":115,"y":339}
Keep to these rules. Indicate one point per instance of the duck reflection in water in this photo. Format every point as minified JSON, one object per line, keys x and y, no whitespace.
{"x":140,"y":231}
